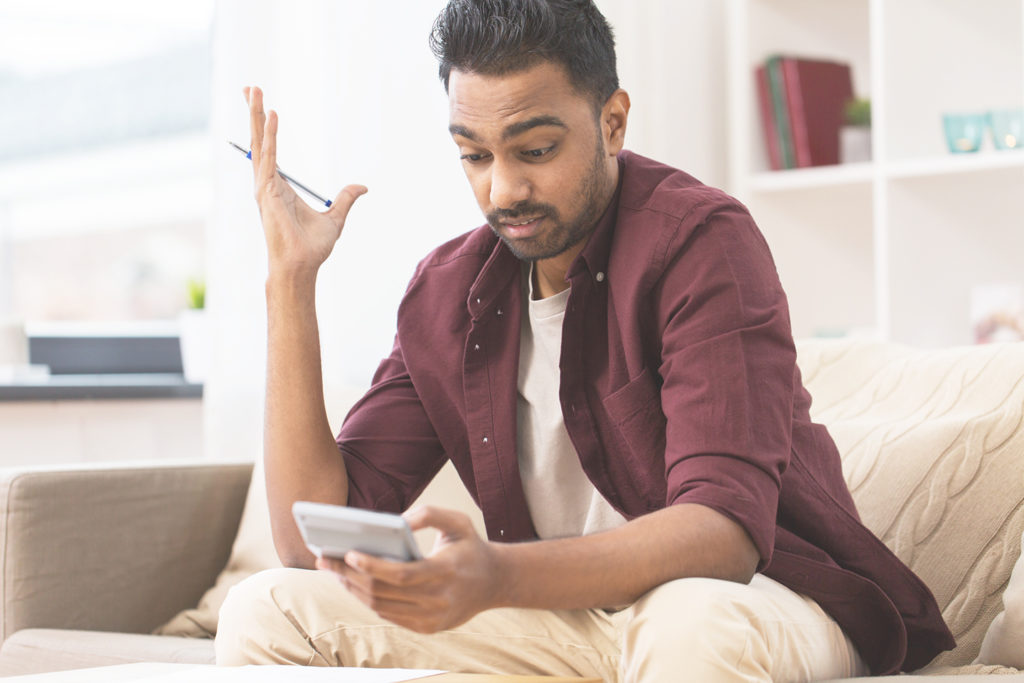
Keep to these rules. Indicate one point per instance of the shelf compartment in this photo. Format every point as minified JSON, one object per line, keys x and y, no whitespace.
{"x":947,"y":57}
{"x":948,"y":234}
{"x":803,"y":28}
{"x":825,"y":257}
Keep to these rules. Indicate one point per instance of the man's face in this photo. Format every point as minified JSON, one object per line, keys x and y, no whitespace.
{"x":534,"y":153}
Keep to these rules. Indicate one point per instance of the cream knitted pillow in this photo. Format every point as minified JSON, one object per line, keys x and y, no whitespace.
{"x":933,"y":451}
{"x":1004,"y":642}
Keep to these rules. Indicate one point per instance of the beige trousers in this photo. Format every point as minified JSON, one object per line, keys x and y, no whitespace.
{"x":685,"y":630}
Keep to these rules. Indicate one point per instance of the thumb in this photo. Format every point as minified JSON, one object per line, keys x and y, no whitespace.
{"x":344,"y":201}
{"x":451,"y":523}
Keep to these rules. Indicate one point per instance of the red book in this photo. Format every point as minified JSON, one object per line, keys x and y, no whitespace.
{"x":771,"y":133}
{"x":816,"y":94}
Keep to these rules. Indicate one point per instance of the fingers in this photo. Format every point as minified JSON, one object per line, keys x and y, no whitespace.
{"x":263,"y":151}
{"x":368,"y":570}
{"x":416,"y":607}
{"x":377,"y":591}
{"x":422,"y":614}
{"x":257,"y":120}
{"x":266,"y":167}
{"x":360,"y":567}
{"x":344,"y":201}
{"x":423,"y":617}
{"x":450,"y":523}
{"x":404,"y":574}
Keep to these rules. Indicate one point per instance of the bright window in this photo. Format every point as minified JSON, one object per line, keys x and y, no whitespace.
{"x":105,"y":180}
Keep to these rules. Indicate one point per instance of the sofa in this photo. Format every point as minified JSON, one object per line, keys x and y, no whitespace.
{"x":109,"y":565}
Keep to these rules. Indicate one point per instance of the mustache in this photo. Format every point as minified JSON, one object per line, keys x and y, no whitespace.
{"x":520,"y":210}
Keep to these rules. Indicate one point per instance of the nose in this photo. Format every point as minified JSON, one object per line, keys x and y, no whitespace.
{"x":508,"y":185}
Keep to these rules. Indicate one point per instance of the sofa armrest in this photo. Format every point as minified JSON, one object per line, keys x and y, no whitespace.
{"x":113,"y":548}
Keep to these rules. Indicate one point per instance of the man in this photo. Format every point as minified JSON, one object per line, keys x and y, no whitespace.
{"x":610,"y":368}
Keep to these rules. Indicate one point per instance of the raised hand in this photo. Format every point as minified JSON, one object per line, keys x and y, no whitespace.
{"x":299,"y":238}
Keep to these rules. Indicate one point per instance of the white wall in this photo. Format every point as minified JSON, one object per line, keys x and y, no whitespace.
{"x":671,"y":57}
{"x":356,"y":89}
{"x":38,"y":433}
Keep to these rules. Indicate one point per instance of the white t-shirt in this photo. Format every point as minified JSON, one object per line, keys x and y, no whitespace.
{"x":562,"y":500}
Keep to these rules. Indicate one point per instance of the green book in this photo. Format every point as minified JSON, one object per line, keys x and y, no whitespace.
{"x":783,"y":124}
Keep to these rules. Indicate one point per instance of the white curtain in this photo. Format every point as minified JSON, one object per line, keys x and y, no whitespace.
{"x":671,"y":56}
{"x":357,"y":92}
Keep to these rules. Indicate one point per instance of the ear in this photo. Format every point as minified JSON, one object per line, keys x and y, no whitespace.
{"x":613,"y":121}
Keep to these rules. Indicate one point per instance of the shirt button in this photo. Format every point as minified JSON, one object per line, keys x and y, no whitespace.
{"x":499,"y":312}
{"x":476,"y":347}
{"x":478,"y":299}
{"x":485,"y":439}
{"x":599,"y":277}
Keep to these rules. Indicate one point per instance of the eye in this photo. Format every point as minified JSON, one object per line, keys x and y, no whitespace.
{"x":473,"y":158}
{"x":538,"y":153}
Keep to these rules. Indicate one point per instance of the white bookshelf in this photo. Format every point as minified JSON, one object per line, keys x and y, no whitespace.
{"x":889,"y":248}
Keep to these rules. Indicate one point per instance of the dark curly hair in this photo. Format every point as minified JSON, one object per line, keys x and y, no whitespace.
{"x":495,"y":37}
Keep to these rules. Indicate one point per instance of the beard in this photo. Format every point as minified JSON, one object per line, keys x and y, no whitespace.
{"x":561,"y":235}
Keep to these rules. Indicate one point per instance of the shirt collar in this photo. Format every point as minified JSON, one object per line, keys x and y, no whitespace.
{"x":499,"y":269}
{"x":596,"y":252}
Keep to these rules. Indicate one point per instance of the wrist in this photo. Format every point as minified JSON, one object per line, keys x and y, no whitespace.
{"x":506,"y":577}
{"x":291,"y":280}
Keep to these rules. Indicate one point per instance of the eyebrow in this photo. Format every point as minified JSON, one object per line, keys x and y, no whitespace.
{"x":514,"y":129}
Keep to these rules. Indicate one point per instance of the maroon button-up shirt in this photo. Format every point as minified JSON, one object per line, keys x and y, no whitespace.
{"x":678,"y":384}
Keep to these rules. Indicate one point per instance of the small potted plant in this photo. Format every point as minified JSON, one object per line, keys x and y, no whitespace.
{"x":194,"y":334}
{"x":855,"y":135}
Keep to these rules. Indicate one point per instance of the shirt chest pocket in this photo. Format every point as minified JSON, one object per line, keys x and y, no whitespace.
{"x":636,"y":415}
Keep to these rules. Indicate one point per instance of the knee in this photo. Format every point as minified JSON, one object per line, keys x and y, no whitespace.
{"x":693,"y":607}
{"x":250,"y":612}
{"x":701,"y":626}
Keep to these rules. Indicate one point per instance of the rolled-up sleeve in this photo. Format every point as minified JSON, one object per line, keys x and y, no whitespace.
{"x":390,"y":448}
{"x":727,"y":367}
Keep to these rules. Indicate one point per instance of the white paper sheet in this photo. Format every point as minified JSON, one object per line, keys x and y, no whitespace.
{"x":197,"y":673}
{"x":290,"y":674}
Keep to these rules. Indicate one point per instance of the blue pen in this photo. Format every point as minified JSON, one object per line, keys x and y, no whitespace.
{"x":293,"y":181}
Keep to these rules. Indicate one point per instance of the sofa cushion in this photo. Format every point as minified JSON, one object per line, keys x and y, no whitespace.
{"x":33,"y":650}
{"x":253,"y":550}
{"x":933,"y":451}
{"x":1004,"y":641}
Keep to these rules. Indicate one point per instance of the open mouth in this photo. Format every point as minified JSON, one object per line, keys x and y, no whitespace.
{"x":521,"y":228}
